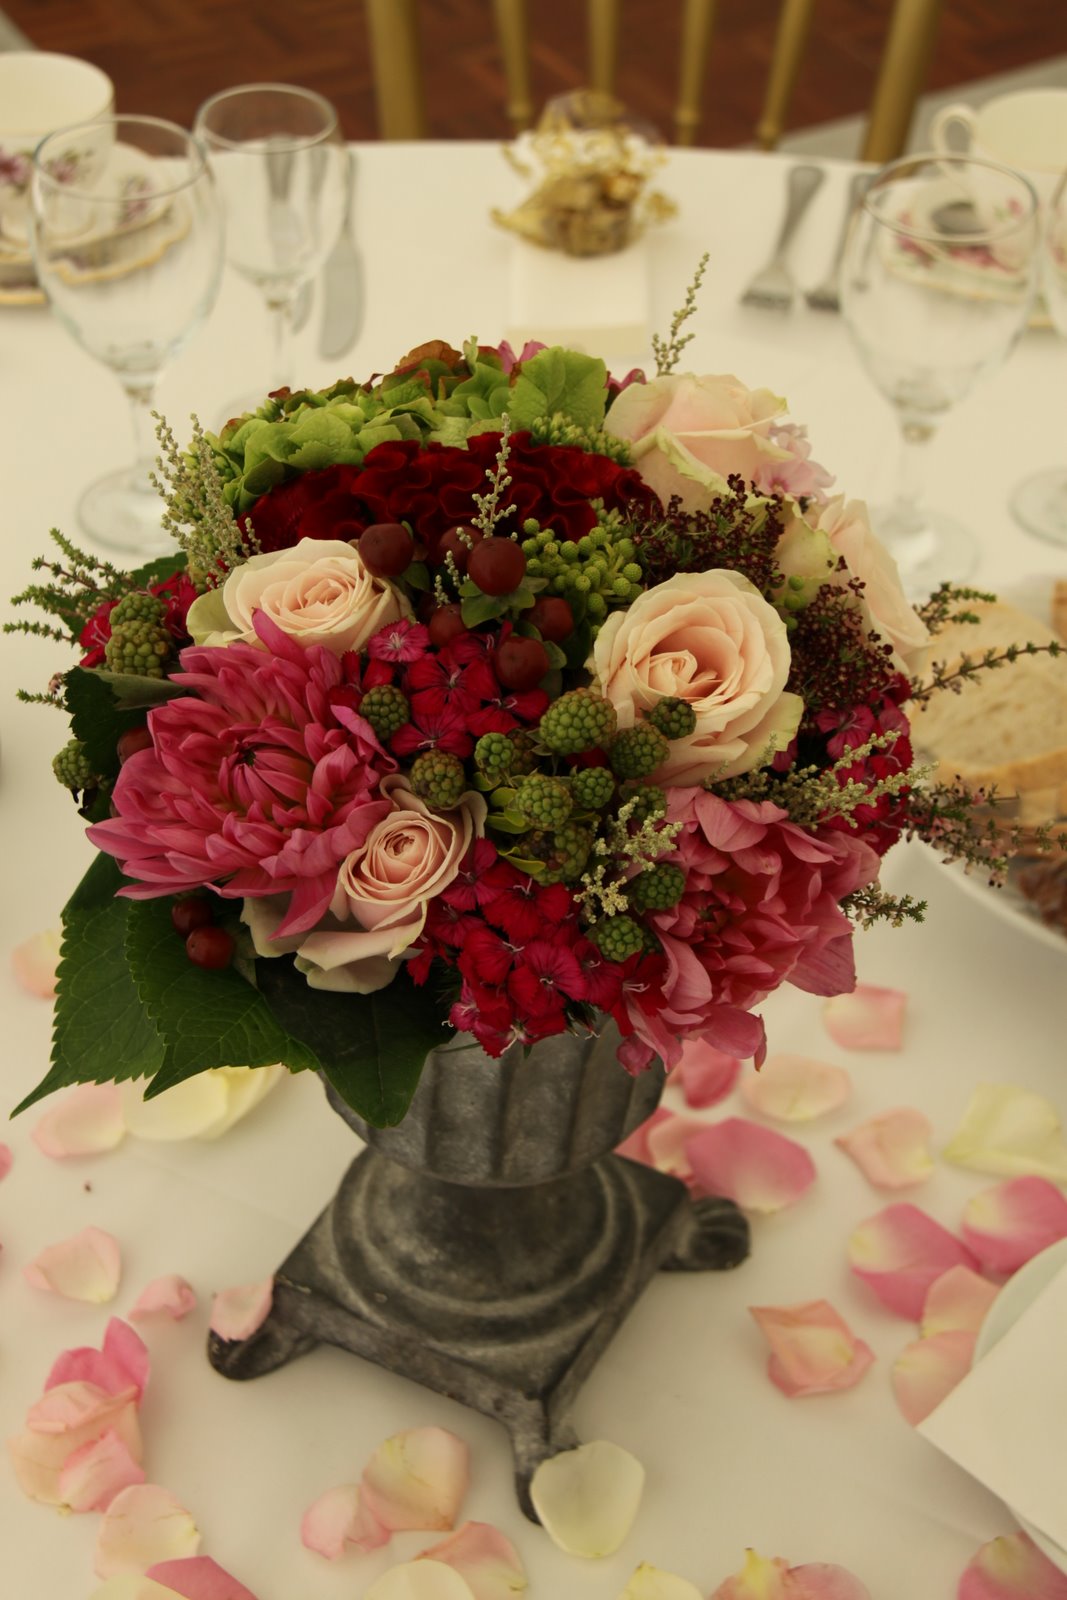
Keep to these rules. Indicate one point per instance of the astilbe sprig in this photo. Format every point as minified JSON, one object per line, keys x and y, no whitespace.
{"x":811,"y":795}
{"x":197,"y":515}
{"x":668,"y":351}
{"x":629,"y":841}
{"x":490,"y":511}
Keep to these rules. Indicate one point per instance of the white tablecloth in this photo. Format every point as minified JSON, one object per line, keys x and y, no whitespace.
{"x":730,"y":1461}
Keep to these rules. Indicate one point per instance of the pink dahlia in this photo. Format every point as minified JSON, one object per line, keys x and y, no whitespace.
{"x":259,"y":781}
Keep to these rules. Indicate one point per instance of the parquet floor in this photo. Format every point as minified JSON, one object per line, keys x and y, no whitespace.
{"x":164,"y":59}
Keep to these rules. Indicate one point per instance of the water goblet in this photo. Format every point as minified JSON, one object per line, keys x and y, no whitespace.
{"x":937,"y":283}
{"x":1040,"y":501}
{"x":281,"y":165}
{"x":127,"y":246}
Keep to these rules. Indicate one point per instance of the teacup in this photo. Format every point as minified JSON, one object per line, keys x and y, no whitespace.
{"x":1026,"y":130}
{"x":40,"y":92}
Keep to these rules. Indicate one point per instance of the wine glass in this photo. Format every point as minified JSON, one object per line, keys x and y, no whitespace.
{"x":281,"y":164}
{"x":937,"y":283}
{"x":127,"y":244}
{"x":1040,"y":501}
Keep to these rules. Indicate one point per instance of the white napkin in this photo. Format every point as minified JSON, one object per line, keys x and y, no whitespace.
{"x":597,"y":304}
{"x":1006,"y":1423}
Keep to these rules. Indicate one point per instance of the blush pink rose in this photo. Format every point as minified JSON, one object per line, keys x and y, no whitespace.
{"x":688,"y":434}
{"x":319,"y":592}
{"x":847,"y":526}
{"x":710,"y":639}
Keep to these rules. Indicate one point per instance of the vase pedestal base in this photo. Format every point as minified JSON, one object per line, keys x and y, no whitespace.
{"x":500,"y":1298}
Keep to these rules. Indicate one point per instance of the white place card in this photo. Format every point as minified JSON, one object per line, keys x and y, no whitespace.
{"x":597,"y":304}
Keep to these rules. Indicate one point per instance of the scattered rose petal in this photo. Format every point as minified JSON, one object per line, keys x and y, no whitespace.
{"x":1006,"y":1225}
{"x":869,"y":1018}
{"x":132,"y":1586}
{"x":706,"y":1075}
{"x":900,"y":1252}
{"x":245,"y":1087}
{"x":487,"y":1562}
{"x":64,"y":1419}
{"x":34,"y":963}
{"x":237,"y":1313}
{"x":759,"y":1169}
{"x":417,"y":1480}
{"x":339,"y":1518}
{"x":6,"y":1160}
{"x":652,"y":1583}
{"x":1009,"y":1132}
{"x":169,"y":1296}
{"x":182,"y":1112}
{"x":796,"y":1088}
{"x":1012,"y":1568}
{"x":84,"y":1267}
{"x":813,"y":1350}
{"x":587,"y":1499}
{"x":760,"y":1579}
{"x":667,"y":1142}
{"x":121,"y":1363}
{"x":635,"y":1147}
{"x":892,"y":1150}
{"x":198,"y":1578}
{"x":959,"y":1299}
{"x":84,"y":1122}
{"x":143,"y":1525}
{"x":94,"y":1474}
{"x":419,"y":1580}
{"x":928,"y":1369}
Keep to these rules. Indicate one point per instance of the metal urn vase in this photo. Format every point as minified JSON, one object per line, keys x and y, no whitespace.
{"x":489,"y":1246}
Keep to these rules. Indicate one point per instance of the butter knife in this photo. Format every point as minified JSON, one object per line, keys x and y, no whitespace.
{"x":342,"y":282}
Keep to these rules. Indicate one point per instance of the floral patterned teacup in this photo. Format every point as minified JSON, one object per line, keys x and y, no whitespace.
{"x":40,"y":92}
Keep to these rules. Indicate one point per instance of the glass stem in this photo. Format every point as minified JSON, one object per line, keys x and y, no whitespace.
{"x":911,"y":475}
{"x":281,"y":315}
{"x":141,"y":393}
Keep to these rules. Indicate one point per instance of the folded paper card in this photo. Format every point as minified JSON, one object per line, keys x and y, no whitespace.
{"x":590,"y":303}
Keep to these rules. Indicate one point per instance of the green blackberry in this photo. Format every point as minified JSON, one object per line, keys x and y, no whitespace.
{"x":649,"y":800}
{"x":494,"y":754}
{"x":71,"y":767}
{"x":637,"y":752}
{"x":672,"y":717}
{"x":140,"y":649}
{"x":579,"y":720}
{"x":617,"y":938}
{"x":572,"y":845}
{"x":657,"y":888}
{"x":438,"y":777}
{"x":592,"y":788}
{"x":386,"y":709}
{"x":543,"y":801}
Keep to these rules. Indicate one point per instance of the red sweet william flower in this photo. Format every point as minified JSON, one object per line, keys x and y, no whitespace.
{"x":545,"y":978}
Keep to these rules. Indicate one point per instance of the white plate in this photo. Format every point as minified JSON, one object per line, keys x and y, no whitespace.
{"x":1010,"y":904}
{"x":1020,"y":1292}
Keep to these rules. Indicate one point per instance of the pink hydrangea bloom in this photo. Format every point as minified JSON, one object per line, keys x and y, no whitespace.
{"x":259,"y":781}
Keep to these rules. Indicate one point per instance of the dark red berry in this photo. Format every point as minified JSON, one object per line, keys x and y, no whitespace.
{"x":191,"y":911}
{"x":458,"y":543}
{"x":553,"y":618}
{"x":131,"y":741}
{"x":497,"y":566}
{"x":209,"y":947}
{"x":446,"y":624}
{"x":520,"y":663}
{"x":387,"y":549}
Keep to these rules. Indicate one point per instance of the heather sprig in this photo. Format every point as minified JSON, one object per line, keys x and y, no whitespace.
{"x":872,"y":904}
{"x":197,"y":515}
{"x":740,"y":532}
{"x":77,"y":587}
{"x":940,"y":609}
{"x":966,"y":667}
{"x":811,"y":795}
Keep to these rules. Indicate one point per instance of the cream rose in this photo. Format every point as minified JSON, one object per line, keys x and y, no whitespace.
{"x":319,"y":592}
{"x":383,"y":891}
{"x":848,"y":528}
{"x":711,"y":639}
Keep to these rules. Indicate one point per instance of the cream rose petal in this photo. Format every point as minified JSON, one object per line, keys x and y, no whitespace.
{"x":813,"y":1350}
{"x":237,"y":1313}
{"x":892,"y":1149}
{"x":417,"y":1480}
{"x":587,"y":1499}
{"x":759,"y":1169}
{"x":133,"y":1586}
{"x":900,"y":1252}
{"x":244,"y":1088}
{"x":34,"y":963}
{"x":86,"y":1121}
{"x":1009,"y":1132}
{"x":929,"y":1369}
{"x":338,"y":1518}
{"x":1006,"y":1225}
{"x":169,"y":1296}
{"x":760,"y":1579}
{"x":706,"y":1075}
{"x":64,"y":1419}
{"x":86,"y":1266}
{"x":419,"y":1580}
{"x":1011,"y":1568}
{"x":652,"y":1583}
{"x":959,"y":1299}
{"x":487,"y":1561}
{"x":94,"y":1474}
{"x":667,"y":1141}
{"x":144,"y":1524}
{"x":870,"y":1018}
{"x":198,"y":1578}
{"x":791,"y":1088}
{"x":185,"y":1111}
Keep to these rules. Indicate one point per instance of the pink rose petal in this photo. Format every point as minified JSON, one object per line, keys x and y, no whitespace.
{"x":417,"y":1480}
{"x":34,"y":963}
{"x":959,"y":1299}
{"x":796,"y":1088}
{"x":144,"y":1525}
{"x":198,"y":1578}
{"x":667,"y":1144}
{"x":120,"y":1364}
{"x":169,"y":1296}
{"x":6,"y":1159}
{"x":481,"y":1555}
{"x":892,"y":1150}
{"x":900,"y":1252}
{"x":237,"y":1313}
{"x":760,"y":1579}
{"x":928,"y":1369}
{"x":759,"y":1169}
{"x":64,"y":1419}
{"x":706,"y":1075}
{"x":813,"y":1350}
{"x":94,"y":1474}
{"x":869,"y":1018}
{"x":1006,"y":1225}
{"x":338,"y":1518}
{"x":1010,"y":1132}
{"x":1012,"y":1568}
{"x":84,"y":1122}
{"x":635,"y":1146}
{"x":85,"y":1267}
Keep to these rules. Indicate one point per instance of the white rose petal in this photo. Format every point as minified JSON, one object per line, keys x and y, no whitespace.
{"x":587,"y":1498}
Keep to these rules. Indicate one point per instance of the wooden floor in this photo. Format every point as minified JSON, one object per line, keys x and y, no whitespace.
{"x":164,"y":59}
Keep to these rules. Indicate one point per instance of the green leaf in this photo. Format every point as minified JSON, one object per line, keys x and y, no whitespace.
{"x":558,"y":380}
{"x":208,"y":1019}
{"x":162,"y":567}
{"x":372,"y":1046}
{"x":101,"y":1031}
{"x":98,"y":717}
{"x":479,"y":608}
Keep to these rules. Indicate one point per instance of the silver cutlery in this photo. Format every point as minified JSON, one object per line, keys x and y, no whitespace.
{"x":773,"y":287}
{"x":342,"y":282}
{"x":826,"y":296}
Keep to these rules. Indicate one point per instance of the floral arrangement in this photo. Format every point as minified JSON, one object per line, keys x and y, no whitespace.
{"x":492,"y":694}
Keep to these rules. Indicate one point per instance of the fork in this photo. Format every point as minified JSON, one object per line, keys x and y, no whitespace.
{"x":826,"y":296}
{"x":773,"y":288}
